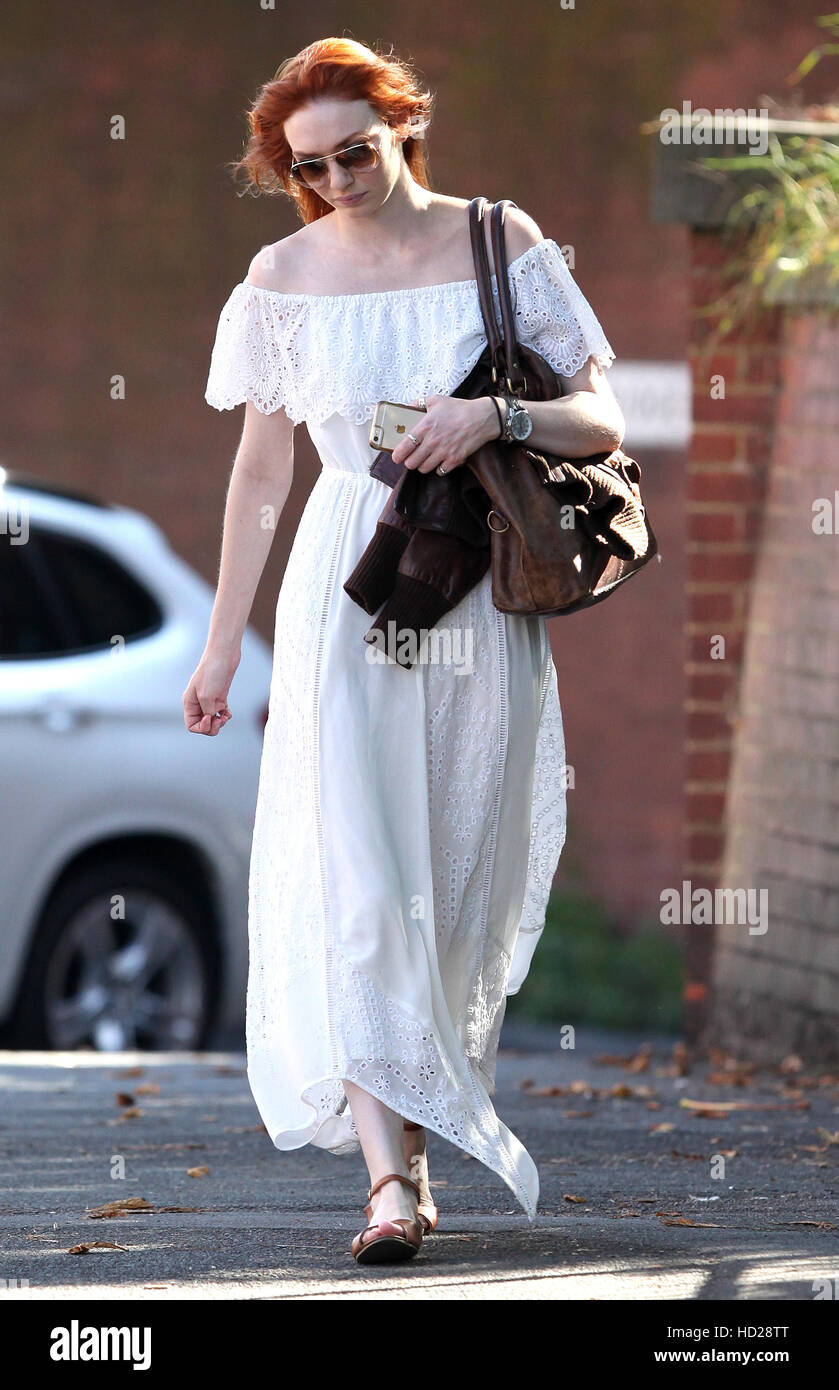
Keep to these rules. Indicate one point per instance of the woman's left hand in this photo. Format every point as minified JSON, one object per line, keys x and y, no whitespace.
{"x":453,"y":429}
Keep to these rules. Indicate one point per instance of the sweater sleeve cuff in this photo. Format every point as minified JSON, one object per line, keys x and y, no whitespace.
{"x":400,"y":628}
{"x":373,"y":577}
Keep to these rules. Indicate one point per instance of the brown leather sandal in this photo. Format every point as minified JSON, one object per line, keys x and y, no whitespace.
{"x":399,"y":1239}
{"x":427,"y":1213}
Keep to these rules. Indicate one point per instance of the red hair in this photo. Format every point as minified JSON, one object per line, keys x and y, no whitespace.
{"x":334,"y":68}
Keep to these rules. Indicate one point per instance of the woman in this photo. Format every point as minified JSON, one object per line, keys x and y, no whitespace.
{"x":409,"y":820}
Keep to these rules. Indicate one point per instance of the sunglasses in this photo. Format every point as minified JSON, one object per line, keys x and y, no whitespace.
{"x":359,"y":158}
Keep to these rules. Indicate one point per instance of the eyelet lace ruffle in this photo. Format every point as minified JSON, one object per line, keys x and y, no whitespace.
{"x":319,"y":355}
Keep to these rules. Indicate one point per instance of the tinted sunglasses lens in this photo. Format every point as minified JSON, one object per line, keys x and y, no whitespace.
{"x":309,"y":173}
{"x":359,"y":157}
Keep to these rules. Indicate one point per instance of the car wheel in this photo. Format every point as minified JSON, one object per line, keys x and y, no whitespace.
{"x":121,"y":960}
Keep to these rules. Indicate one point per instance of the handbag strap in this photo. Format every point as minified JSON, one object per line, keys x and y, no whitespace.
{"x":516,"y":380}
{"x":495,"y":342}
{"x":503,"y":346}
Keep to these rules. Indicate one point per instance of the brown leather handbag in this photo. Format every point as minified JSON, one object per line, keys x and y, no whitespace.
{"x":565,"y":532}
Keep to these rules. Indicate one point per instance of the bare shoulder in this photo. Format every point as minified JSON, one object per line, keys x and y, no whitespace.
{"x":520,"y":230}
{"x":521,"y":233}
{"x":277,"y":266}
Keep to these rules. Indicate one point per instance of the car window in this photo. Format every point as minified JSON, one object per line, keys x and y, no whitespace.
{"x":28,"y":627}
{"x":62,"y":595}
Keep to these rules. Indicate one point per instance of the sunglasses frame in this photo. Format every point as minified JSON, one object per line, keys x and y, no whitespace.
{"x":325,"y":158}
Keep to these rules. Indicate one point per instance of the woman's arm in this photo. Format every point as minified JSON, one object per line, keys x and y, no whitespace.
{"x":257,"y":492}
{"x":585,"y":419}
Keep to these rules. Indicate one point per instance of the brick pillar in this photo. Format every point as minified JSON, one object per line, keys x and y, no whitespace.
{"x":762,"y":723}
{"x":726,"y":488}
{"x":775,"y":989}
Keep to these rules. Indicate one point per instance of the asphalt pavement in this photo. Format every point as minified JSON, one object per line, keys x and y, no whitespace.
{"x":662,"y":1177}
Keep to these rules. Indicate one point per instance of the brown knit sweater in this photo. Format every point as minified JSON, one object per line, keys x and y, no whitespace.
{"x":430,"y":547}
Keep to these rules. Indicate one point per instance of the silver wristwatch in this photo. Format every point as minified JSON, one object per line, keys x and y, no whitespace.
{"x":518,"y":422}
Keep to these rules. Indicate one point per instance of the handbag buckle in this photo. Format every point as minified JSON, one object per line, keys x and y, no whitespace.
{"x":499,"y":530}
{"x":520,"y":390}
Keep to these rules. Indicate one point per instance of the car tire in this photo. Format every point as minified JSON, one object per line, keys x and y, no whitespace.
{"x":152,"y":891}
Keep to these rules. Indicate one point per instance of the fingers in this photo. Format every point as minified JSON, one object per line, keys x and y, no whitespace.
{"x":204,"y":714}
{"x":420,"y":452}
{"x":209,"y":724}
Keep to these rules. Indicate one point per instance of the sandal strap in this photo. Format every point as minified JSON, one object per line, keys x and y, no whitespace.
{"x":390,"y":1177}
{"x":402,"y":1222}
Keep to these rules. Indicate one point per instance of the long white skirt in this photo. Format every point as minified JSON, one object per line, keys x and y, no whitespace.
{"x":408,"y":826}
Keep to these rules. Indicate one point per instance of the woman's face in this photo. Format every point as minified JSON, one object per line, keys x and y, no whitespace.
{"x":330,"y":124}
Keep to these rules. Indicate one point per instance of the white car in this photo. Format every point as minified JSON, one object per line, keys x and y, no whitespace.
{"x":125,"y":838}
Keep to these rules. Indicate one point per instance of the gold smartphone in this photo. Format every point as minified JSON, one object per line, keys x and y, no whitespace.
{"x":391,"y":423}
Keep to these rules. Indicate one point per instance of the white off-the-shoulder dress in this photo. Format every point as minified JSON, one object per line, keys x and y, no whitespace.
{"x":409,"y":821}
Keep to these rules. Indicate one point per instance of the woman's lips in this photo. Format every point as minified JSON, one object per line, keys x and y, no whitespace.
{"x":348,"y":202}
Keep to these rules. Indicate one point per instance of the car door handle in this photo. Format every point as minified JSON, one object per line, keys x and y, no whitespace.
{"x":60,"y":716}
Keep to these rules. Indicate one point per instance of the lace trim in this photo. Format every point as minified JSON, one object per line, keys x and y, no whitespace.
{"x":319,"y":355}
{"x":405,"y":1065}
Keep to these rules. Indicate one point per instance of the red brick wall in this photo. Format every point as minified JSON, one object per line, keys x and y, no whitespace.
{"x":776,"y":990}
{"x":726,"y":486}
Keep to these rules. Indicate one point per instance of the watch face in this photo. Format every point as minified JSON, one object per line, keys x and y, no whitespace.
{"x":521,"y":425}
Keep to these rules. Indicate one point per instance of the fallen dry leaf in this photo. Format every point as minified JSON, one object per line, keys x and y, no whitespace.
{"x":129,"y":1073}
{"x":123,"y":1098}
{"x":120,"y":1208}
{"x":95,"y":1245}
{"x":569,"y":1197}
{"x":723,"y":1078}
{"x":623,"y":1090}
{"x":725,"y":1106}
{"x":664,"y":1128}
{"x":792,"y":1063}
{"x":686,"y":1221}
{"x":148,"y":1088}
{"x":822,"y":1225}
{"x":201,"y":1172}
{"x":637,"y":1062}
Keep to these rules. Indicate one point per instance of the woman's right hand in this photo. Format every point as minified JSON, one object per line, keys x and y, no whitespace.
{"x":205,"y":698}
